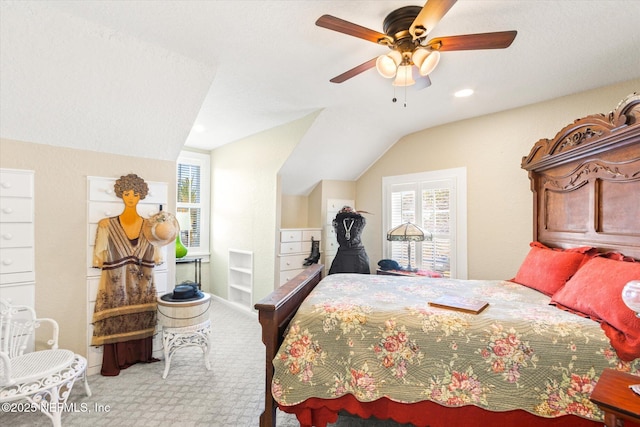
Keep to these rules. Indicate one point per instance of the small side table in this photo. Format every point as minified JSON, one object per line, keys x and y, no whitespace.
{"x":614,"y":397}
{"x":173,"y":339}
{"x":197,"y":267}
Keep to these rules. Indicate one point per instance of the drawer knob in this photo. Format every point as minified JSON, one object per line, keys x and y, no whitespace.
{"x":7,"y":236}
{"x":7,"y":210}
{"x":7,"y":261}
{"x":6,"y":185}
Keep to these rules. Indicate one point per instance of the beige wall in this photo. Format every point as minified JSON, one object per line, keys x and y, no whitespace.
{"x":498,"y":195}
{"x":295,"y":212}
{"x":245,"y":210}
{"x":61,"y":224}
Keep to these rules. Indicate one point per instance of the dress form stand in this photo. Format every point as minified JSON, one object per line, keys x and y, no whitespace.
{"x":351,"y":256}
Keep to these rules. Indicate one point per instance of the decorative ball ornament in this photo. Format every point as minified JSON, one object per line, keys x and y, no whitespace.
{"x":631,"y":296}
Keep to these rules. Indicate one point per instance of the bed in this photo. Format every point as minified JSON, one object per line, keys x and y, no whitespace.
{"x":373,"y":345}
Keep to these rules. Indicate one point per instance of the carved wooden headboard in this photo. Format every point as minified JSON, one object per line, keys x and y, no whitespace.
{"x":586,"y":182}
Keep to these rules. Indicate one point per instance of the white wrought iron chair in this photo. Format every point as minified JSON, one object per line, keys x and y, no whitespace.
{"x":43,"y":378}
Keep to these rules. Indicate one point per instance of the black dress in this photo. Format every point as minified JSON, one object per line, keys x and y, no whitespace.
{"x":351,"y":256}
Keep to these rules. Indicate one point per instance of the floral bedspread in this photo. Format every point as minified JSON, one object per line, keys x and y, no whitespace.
{"x":377,"y":336}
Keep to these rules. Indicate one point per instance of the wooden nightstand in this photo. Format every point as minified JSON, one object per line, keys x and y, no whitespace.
{"x":613,"y":396}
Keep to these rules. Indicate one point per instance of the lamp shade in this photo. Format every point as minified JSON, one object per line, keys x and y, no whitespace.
{"x":387,"y":65}
{"x":404,"y":76}
{"x":408,"y":232}
{"x":426,"y":60}
{"x":631,"y":296}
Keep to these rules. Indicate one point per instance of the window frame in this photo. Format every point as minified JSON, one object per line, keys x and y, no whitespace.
{"x":457,"y":177}
{"x":204,"y":161}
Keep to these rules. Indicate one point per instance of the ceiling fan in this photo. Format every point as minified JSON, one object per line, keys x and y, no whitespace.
{"x":405,"y":33}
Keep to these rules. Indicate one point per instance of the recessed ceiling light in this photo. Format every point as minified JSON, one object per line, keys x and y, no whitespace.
{"x":464,"y":92}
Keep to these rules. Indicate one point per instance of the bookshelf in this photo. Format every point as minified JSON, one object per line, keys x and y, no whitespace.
{"x":240,"y":278}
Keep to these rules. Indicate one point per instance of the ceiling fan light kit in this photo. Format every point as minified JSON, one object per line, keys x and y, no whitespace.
{"x":388,"y":64}
{"x":425,"y":60}
{"x":405,"y":33}
{"x":404,"y":76}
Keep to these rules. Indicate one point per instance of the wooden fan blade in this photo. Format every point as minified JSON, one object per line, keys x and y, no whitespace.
{"x":351,"y":29}
{"x":431,"y":13}
{"x":354,"y":71}
{"x":498,"y":40}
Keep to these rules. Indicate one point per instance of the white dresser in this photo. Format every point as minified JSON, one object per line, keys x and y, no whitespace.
{"x":17,"y":255}
{"x":295,"y":246}
{"x":103,"y":203}
{"x":331,"y":242}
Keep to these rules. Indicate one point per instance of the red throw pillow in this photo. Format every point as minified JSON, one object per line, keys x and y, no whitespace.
{"x":596,"y":291}
{"x":547,"y":270}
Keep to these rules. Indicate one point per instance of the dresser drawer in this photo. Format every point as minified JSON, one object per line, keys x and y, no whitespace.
{"x":98,"y":211}
{"x":16,"y":184}
{"x":291,"y":262}
{"x":16,"y":260}
{"x":20,"y":294}
{"x":290,"y":236}
{"x":16,"y":235}
{"x":308,"y":234}
{"x":16,"y":210}
{"x":146,"y":210}
{"x":290,"y":248}
{"x":285,"y":276}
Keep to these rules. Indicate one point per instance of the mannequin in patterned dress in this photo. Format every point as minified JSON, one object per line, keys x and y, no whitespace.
{"x":124,"y":318}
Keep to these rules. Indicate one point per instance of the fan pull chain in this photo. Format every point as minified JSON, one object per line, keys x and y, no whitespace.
{"x":394,"y":99}
{"x":405,"y":97}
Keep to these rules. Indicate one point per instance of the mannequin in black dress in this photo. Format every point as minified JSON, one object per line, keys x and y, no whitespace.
{"x":351,"y":257}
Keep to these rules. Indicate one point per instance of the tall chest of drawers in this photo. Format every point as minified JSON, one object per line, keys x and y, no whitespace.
{"x":295,"y":247}
{"x":17,"y":254}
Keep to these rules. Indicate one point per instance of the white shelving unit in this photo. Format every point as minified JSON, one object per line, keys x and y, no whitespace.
{"x":241,"y":278}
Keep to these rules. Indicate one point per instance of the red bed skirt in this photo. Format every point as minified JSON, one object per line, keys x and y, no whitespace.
{"x":319,"y":412}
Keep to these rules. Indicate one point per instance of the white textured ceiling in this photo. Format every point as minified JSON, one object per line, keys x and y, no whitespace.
{"x":134,"y":77}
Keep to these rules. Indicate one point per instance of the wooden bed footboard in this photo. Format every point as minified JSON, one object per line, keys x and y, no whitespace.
{"x":275,"y":311}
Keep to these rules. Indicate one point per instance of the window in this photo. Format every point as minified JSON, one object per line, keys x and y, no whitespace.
{"x":436,"y":201}
{"x":192,"y":202}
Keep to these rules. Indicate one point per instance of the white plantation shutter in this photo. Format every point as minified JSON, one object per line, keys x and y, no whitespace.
{"x":436,"y":218}
{"x":192,"y":202}
{"x":189,"y":210}
{"x":430,"y":200}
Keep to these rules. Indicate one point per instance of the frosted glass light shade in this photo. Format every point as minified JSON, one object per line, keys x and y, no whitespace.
{"x":387,"y":65}
{"x":631,"y":296}
{"x":404,"y":76}
{"x":425,"y":60}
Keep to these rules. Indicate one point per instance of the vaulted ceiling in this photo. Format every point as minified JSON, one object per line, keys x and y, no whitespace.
{"x":145,"y":78}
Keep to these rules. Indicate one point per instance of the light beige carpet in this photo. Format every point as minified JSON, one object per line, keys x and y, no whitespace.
{"x":231,"y":394}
